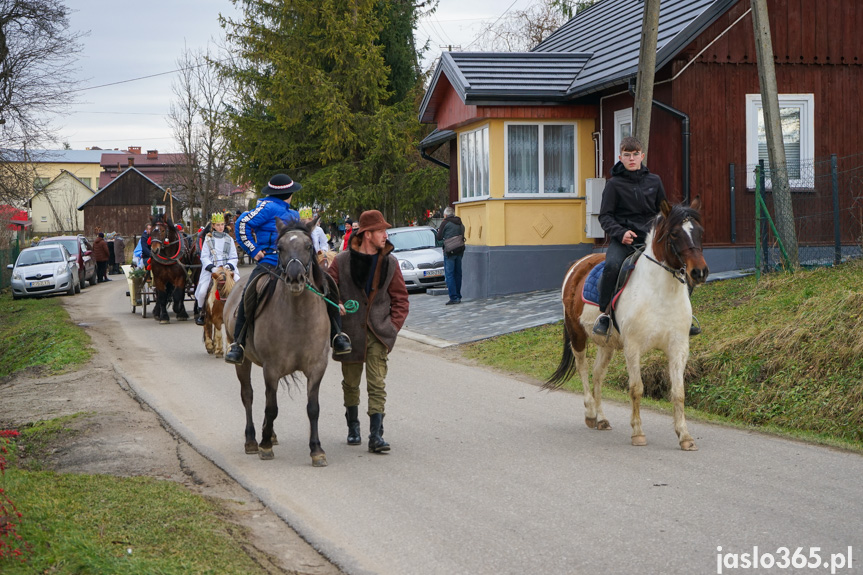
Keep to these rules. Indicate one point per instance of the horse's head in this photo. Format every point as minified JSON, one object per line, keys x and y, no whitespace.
{"x":677,"y":240}
{"x":223,"y":279}
{"x":297,"y":265}
{"x":165,"y":240}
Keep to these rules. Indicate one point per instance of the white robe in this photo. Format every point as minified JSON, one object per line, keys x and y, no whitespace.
{"x":214,"y":252}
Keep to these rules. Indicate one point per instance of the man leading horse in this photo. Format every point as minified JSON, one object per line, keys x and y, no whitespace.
{"x":257,"y":235}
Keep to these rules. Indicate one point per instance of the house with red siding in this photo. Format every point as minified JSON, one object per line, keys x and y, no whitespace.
{"x":530,"y":137}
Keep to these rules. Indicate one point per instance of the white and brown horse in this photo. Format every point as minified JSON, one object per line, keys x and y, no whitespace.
{"x":653,"y":312}
{"x":220,"y":288}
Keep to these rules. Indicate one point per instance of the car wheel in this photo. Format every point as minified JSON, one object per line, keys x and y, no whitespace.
{"x":82,"y":281}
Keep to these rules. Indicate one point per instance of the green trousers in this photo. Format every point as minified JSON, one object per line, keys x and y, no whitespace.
{"x":376,"y":374}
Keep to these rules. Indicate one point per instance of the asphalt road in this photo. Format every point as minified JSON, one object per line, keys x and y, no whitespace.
{"x":488,"y":474}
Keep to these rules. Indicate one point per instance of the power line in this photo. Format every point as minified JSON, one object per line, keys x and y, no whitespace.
{"x":490,"y":26}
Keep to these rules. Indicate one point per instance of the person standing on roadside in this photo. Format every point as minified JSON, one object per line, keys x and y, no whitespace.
{"x":450,"y":227}
{"x":369,"y":273}
{"x":101,"y":253}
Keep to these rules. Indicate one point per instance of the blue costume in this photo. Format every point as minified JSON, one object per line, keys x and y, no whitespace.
{"x":256,"y":229}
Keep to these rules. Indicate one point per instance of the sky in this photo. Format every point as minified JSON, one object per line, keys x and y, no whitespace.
{"x":128,"y":41}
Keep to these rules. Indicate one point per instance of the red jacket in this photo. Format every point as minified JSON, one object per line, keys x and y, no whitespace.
{"x":101,"y":253}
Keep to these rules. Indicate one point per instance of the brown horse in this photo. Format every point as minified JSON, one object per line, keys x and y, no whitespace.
{"x":653,"y":312}
{"x":169,"y":274}
{"x":220,"y":288}
{"x":289,"y":333}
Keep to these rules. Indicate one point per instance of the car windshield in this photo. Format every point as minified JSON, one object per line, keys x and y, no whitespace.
{"x":413,"y":240}
{"x":71,"y":244}
{"x":31,"y":258}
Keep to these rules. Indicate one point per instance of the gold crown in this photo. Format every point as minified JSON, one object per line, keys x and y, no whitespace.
{"x":218,"y":218}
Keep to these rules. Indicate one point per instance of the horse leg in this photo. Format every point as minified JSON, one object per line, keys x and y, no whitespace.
{"x":271,"y":412}
{"x":244,"y":374}
{"x":600,"y":368}
{"x":636,"y":390}
{"x":217,"y":336}
{"x":179,"y":306}
{"x":162,"y":297}
{"x":676,"y":366}
{"x":313,"y":409}
{"x":208,"y":336}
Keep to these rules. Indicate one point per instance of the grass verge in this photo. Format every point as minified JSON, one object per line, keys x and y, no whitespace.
{"x":782,"y":355}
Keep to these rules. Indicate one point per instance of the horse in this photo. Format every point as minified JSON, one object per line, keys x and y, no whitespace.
{"x":652,"y":312}
{"x":289,"y":333}
{"x":220,"y":288}
{"x":169,"y":274}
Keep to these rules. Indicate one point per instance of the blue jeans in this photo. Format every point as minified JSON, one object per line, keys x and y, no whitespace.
{"x":452,"y":273}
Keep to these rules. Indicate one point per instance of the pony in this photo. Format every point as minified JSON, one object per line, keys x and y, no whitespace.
{"x":168,"y":273}
{"x":288,"y":333}
{"x":220,"y":289}
{"x":652,"y":312}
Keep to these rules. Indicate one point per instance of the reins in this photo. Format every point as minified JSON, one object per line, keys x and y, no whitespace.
{"x":171,"y":259}
{"x":678,"y":274}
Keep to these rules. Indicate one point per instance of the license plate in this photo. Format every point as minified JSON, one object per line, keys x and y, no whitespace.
{"x":40,"y":284}
{"x":432,"y":273}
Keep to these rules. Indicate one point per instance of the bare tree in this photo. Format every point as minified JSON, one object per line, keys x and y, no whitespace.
{"x":194,"y":117}
{"x":522,"y":30}
{"x":37,"y":56}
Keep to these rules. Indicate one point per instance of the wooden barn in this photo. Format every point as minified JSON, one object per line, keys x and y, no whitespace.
{"x":707,"y":131}
{"x":125,"y":205}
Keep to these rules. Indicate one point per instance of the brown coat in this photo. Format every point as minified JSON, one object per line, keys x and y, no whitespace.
{"x":383,"y":311}
{"x":101,"y":253}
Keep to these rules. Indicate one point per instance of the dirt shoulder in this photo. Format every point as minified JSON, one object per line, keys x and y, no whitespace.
{"x":120,"y":435}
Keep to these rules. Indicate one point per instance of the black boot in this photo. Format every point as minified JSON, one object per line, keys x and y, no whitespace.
{"x":341,"y":344}
{"x":353,"y":418}
{"x":235,"y":353}
{"x":201,"y":319}
{"x":339,"y":340}
{"x":600,"y":327}
{"x":376,"y":442}
{"x":695,"y":328}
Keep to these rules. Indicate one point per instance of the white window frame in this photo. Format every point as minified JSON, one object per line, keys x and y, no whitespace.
{"x":541,"y":142}
{"x":806,"y":103}
{"x":461,"y":167}
{"x":621,"y":117}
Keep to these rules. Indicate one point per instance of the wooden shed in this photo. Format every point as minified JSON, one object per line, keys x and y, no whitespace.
{"x":125,"y":205}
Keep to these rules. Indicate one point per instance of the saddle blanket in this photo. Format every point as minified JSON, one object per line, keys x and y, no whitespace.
{"x":590,"y":293}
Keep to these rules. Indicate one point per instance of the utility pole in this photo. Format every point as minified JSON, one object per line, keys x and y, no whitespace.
{"x":646,"y":73}
{"x":775,"y":147}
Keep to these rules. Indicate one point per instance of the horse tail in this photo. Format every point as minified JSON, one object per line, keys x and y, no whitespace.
{"x":567,"y":364}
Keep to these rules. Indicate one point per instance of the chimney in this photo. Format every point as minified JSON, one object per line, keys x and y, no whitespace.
{"x":152,"y":154}
{"x":131,"y":161}
{"x":134,"y":149}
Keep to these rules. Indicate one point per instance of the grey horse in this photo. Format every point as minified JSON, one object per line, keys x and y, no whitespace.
{"x":289,"y":334}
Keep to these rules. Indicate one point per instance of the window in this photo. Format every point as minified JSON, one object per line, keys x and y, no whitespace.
{"x":86,"y":181}
{"x":622,"y":129}
{"x":540,"y":159}
{"x":473,"y":154}
{"x":797,"y":118}
{"x":40,"y":183}
{"x":44,"y":218}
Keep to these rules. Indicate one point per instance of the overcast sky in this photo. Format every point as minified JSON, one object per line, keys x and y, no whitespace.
{"x":128,"y":41}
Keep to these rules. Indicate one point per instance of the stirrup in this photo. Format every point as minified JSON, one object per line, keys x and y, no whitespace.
{"x":599,"y":328}
{"x":695,"y":328}
{"x":342,"y":350}
{"x":230,"y":358}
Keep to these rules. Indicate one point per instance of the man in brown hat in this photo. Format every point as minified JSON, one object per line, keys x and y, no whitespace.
{"x":368,"y":273}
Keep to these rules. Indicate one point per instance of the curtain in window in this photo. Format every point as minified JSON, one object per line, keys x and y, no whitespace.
{"x":523,"y":159}
{"x":789,"y":120}
{"x":474,"y":163}
{"x":558,"y":159}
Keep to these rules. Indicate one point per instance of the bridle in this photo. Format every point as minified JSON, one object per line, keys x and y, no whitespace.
{"x":158,"y":256}
{"x":281,"y":271}
{"x":680,"y":273}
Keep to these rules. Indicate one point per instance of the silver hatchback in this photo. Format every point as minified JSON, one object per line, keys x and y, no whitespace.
{"x":420,"y":259}
{"x":44,"y":270}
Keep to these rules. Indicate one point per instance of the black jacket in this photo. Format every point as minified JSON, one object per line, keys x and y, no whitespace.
{"x":451,"y":227}
{"x":630,"y":200}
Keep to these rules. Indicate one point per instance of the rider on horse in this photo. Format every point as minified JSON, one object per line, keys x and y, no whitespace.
{"x":218,"y":250}
{"x":256,"y":232}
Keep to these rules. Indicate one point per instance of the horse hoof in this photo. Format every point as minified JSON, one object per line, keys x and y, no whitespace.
{"x":639,"y":440}
{"x":688,"y":445}
{"x":210,"y":351}
{"x":275,"y":439}
{"x":251,"y":447}
{"x":319,"y":460}
{"x":590,"y":422}
{"x":219,"y":354}
{"x":265,"y":454}
{"x":164,"y":321}
{"x":603,"y":425}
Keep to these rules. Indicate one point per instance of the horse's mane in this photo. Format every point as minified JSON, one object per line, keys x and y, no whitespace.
{"x":678,"y":214}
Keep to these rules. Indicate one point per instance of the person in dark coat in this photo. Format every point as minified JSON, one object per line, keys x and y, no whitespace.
{"x":101,"y":254}
{"x":119,"y":253}
{"x":451,"y":226}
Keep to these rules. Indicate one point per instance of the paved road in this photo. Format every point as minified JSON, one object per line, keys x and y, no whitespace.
{"x":490,"y":475}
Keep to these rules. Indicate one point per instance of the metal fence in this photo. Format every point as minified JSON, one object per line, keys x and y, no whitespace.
{"x":8,"y":256}
{"x":827,"y":202}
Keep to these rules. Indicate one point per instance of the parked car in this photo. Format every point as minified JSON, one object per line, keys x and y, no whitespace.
{"x":420,"y":258}
{"x":43,"y":270}
{"x":82,"y":249}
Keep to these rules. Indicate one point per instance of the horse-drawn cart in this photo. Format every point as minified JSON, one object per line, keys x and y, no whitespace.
{"x":136,"y":287}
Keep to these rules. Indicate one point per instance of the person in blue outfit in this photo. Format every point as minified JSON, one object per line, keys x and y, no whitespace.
{"x":257,"y":235}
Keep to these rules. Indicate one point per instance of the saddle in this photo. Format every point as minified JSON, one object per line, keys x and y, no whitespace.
{"x":590,"y":291}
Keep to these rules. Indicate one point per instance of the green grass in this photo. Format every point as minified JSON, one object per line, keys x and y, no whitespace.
{"x":39,"y":333}
{"x":783,"y":355}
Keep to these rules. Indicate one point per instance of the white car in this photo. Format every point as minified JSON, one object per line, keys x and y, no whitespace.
{"x":420,"y":258}
{"x":44,"y":270}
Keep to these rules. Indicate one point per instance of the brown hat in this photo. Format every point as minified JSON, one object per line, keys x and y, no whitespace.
{"x":372,"y":221}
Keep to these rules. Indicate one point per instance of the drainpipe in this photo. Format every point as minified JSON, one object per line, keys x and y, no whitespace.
{"x":596,"y":169}
{"x":684,"y":132}
{"x":433,"y":160}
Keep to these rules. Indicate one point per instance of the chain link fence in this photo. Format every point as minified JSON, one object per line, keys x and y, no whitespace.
{"x":8,"y":255}
{"x":826,"y":215}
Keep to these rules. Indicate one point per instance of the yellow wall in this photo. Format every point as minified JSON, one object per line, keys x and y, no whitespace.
{"x":80,"y":171}
{"x":54,"y":210}
{"x":544,"y":220}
